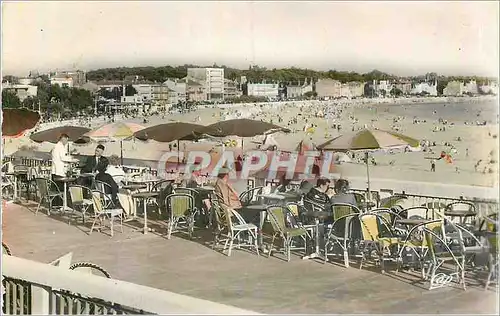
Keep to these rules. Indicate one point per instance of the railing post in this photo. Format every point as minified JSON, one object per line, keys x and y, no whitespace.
{"x":40,"y":300}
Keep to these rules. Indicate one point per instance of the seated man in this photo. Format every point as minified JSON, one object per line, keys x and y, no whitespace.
{"x":224,"y":191}
{"x":93,"y":162}
{"x":341,"y":193}
{"x":318,"y":194}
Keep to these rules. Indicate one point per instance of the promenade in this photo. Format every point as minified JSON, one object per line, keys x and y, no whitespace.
{"x":261,"y":284}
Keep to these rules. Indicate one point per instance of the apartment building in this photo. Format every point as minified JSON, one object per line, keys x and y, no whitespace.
{"x":160,"y":93}
{"x":178,"y":90}
{"x":212,"y":80}
{"x":267,"y":90}
{"x":454,"y":88}
{"x":328,"y":88}
{"x":231,"y":89}
{"x":63,"y":82}
{"x":425,"y":87}
{"x":78,"y":77}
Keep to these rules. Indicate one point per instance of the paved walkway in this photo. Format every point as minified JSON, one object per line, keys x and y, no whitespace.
{"x":261,"y":284}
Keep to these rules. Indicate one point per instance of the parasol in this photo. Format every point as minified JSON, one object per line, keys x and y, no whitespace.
{"x":368,"y":139}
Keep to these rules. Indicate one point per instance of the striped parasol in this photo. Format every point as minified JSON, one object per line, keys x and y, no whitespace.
{"x":118,"y":131}
{"x":113,"y":131}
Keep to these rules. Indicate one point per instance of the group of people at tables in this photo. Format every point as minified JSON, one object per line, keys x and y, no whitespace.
{"x":109,"y":171}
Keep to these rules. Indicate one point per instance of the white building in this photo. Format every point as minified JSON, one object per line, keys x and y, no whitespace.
{"x":63,"y":82}
{"x":212,"y":80}
{"x":422,"y":87}
{"x":471,"y":87}
{"x":22,"y":91}
{"x":384,"y":85}
{"x":267,"y":90}
{"x":25,"y":81}
{"x":491,"y":87}
{"x":145,"y":91}
{"x":178,"y":90}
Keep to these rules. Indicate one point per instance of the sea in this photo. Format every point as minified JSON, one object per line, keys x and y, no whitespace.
{"x":470,"y":111}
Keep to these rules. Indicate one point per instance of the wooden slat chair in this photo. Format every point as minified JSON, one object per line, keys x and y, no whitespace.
{"x":181,"y":211}
{"x":48,"y":192}
{"x":101,"y":212}
{"x":78,"y":200}
{"x":276,"y":215}
{"x":374,"y":242}
{"x":235,"y":228}
{"x":341,"y":235}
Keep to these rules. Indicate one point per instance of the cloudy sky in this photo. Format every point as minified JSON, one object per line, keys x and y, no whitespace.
{"x":404,"y":38}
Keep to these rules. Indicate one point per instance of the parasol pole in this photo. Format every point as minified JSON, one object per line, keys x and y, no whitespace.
{"x":178,"y":154}
{"x":121,"y":151}
{"x":368,"y":176}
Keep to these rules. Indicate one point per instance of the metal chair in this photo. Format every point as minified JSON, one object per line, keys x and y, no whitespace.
{"x":234,"y":230}
{"x":105,"y":190}
{"x":340,"y":235}
{"x":181,"y":210}
{"x":287,"y":234}
{"x":102,"y":212}
{"x":250,"y":196}
{"x":48,"y":191}
{"x":78,"y":200}
{"x":374,"y":243}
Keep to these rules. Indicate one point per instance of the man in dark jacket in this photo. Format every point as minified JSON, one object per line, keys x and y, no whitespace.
{"x":92,"y":164}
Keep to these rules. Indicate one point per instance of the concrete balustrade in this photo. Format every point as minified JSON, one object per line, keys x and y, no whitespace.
{"x":46,"y":278}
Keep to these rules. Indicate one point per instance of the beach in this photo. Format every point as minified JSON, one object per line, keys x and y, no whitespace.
{"x":473,"y":148}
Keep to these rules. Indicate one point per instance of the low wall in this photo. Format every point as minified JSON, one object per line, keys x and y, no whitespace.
{"x":46,"y":277}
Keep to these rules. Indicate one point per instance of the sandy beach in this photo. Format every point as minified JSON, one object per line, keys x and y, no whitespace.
{"x":313,"y":121}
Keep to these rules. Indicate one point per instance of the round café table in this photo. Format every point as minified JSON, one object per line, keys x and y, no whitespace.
{"x":318,"y":216}
{"x":145,"y":196}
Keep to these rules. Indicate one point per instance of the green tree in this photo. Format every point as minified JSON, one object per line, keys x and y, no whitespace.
{"x":10,"y":99}
{"x":396,"y":92}
{"x":130,"y":90}
{"x":310,"y":94}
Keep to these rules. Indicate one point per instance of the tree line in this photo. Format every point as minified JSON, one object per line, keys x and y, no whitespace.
{"x":258,"y":74}
{"x":51,"y":99}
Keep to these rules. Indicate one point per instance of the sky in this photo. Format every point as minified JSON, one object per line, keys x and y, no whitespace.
{"x":403,"y":38}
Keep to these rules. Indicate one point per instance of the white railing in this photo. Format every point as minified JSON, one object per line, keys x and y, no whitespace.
{"x":49,"y":289}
